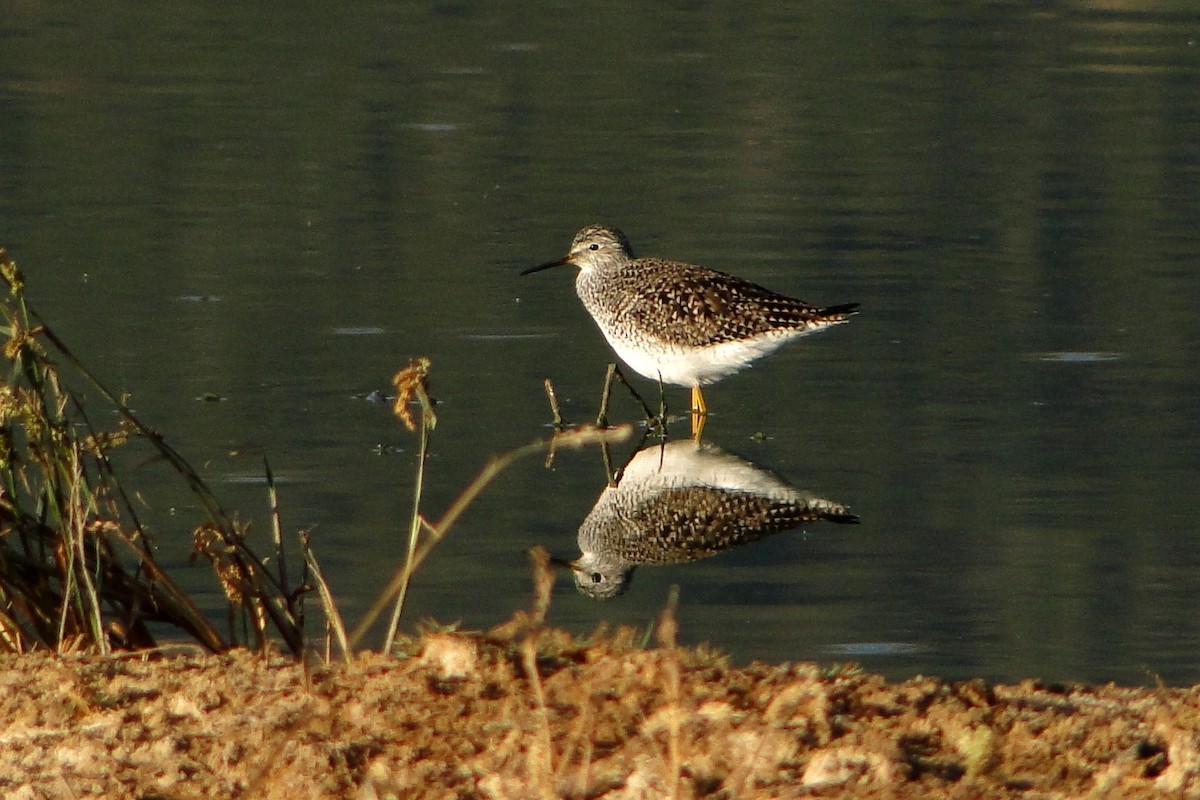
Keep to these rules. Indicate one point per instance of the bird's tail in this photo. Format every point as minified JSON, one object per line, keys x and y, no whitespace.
{"x":842,"y":517}
{"x":839,"y":313}
{"x":830,"y":510}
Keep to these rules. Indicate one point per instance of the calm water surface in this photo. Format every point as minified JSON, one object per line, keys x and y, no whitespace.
{"x":282,"y":206}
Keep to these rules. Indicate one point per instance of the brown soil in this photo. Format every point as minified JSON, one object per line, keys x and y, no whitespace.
{"x":461,"y":718}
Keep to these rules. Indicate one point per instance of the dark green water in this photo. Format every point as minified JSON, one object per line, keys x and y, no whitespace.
{"x":282,"y":205}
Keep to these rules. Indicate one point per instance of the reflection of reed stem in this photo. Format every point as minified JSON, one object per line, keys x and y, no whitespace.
{"x":610,"y":477}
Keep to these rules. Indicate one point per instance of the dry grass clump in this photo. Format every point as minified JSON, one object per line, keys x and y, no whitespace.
{"x":77,"y":567}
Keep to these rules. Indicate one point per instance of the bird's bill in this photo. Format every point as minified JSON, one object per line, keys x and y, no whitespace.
{"x":540,"y":267}
{"x":555,"y":561}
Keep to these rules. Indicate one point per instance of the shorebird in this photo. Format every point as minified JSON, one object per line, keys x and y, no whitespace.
{"x":678,"y":323}
{"x":683,"y":501}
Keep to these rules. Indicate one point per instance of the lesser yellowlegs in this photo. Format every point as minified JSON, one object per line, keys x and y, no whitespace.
{"x":683,"y":501}
{"x":678,"y":323}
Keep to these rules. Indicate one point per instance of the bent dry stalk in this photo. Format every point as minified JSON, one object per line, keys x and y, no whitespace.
{"x":412,"y":383}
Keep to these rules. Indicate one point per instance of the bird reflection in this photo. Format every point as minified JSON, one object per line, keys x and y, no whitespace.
{"x":683,"y":501}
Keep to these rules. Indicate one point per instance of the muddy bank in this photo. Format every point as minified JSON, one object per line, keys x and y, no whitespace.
{"x":468,"y":716}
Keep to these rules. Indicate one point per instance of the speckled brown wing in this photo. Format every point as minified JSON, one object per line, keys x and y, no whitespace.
{"x":695,"y":307}
{"x":690,"y":523}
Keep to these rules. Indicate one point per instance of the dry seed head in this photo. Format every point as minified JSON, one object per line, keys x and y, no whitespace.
{"x":412,"y":382}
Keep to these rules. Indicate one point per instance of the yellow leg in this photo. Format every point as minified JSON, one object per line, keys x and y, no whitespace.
{"x":699,"y":413}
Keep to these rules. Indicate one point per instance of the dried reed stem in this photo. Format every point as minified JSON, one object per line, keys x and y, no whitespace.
{"x":668,"y":629}
{"x":332,"y":616}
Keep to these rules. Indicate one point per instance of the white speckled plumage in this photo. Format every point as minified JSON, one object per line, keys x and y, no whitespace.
{"x":683,"y":501}
{"x":679,"y":323}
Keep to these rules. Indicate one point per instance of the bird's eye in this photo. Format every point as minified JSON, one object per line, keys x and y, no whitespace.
{"x":593,"y":246}
{"x":597,"y":577}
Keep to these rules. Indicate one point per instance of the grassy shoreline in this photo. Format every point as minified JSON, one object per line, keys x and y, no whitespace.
{"x":520,"y":712}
